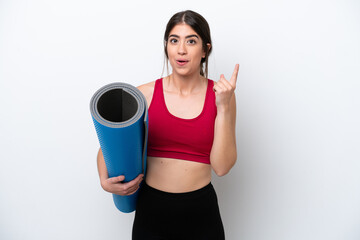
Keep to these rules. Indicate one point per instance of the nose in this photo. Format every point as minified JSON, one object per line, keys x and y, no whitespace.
{"x":182,"y":48}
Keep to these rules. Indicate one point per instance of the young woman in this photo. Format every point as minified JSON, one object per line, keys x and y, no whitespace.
{"x":191,"y":132}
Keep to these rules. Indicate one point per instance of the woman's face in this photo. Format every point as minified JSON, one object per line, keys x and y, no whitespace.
{"x":184,"y":48}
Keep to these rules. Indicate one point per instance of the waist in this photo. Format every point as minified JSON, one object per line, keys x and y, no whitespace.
{"x":175,"y":175}
{"x":189,"y":194}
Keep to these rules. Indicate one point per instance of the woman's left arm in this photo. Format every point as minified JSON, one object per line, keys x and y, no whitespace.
{"x":223,"y":153}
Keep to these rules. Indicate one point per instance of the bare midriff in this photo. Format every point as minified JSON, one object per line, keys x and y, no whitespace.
{"x":175,"y":175}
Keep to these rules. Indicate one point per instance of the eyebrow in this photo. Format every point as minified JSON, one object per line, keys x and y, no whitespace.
{"x":189,"y":36}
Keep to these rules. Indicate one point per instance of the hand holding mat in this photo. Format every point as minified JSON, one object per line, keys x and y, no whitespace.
{"x":119,"y":113}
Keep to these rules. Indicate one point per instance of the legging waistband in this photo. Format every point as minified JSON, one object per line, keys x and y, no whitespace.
{"x":192,"y":194}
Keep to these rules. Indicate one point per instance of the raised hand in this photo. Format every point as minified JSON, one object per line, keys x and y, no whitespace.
{"x":224,"y":89}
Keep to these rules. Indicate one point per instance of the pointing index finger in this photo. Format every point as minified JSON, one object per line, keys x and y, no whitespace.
{"x":234,"y":75}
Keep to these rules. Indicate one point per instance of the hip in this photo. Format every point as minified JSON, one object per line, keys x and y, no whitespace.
{"x":188,"y":215}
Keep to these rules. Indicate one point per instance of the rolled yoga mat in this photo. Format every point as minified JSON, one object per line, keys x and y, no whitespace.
{"x":119,"y":112}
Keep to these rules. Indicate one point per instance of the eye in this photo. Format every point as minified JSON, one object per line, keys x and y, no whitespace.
{"x":192,"y":41}
{"x":173,"y":40}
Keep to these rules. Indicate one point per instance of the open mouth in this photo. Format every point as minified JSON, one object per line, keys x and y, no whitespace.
{"x":182,"y":62}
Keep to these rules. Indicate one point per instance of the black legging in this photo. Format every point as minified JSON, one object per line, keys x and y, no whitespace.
{"x":170,"y":216}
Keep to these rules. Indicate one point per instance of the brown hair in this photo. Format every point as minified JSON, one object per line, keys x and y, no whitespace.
{"x":200,"y":26}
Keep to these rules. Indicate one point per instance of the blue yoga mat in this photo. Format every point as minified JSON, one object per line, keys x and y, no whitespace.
{"x":119,"y":113}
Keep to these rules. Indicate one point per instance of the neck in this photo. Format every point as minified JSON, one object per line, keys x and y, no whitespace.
{"x":184,"y":84}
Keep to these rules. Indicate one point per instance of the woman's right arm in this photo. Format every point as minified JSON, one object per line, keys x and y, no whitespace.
{"x":115,"y":184}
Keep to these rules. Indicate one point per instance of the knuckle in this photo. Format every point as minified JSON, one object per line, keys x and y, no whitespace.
{"x":124,"y":192}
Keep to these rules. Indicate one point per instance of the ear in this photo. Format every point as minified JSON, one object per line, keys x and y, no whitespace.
{"x":209,"y":47}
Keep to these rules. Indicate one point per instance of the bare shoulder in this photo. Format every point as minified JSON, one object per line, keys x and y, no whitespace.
{"x":147,"y":89}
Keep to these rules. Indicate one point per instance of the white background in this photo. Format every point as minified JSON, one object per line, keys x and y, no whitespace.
{"x":298,"y":171}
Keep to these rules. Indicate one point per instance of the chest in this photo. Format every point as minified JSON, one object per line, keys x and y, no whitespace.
{"x":186,"y":107}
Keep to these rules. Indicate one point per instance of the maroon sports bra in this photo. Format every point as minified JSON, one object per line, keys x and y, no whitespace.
{"x":174,"y":137}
